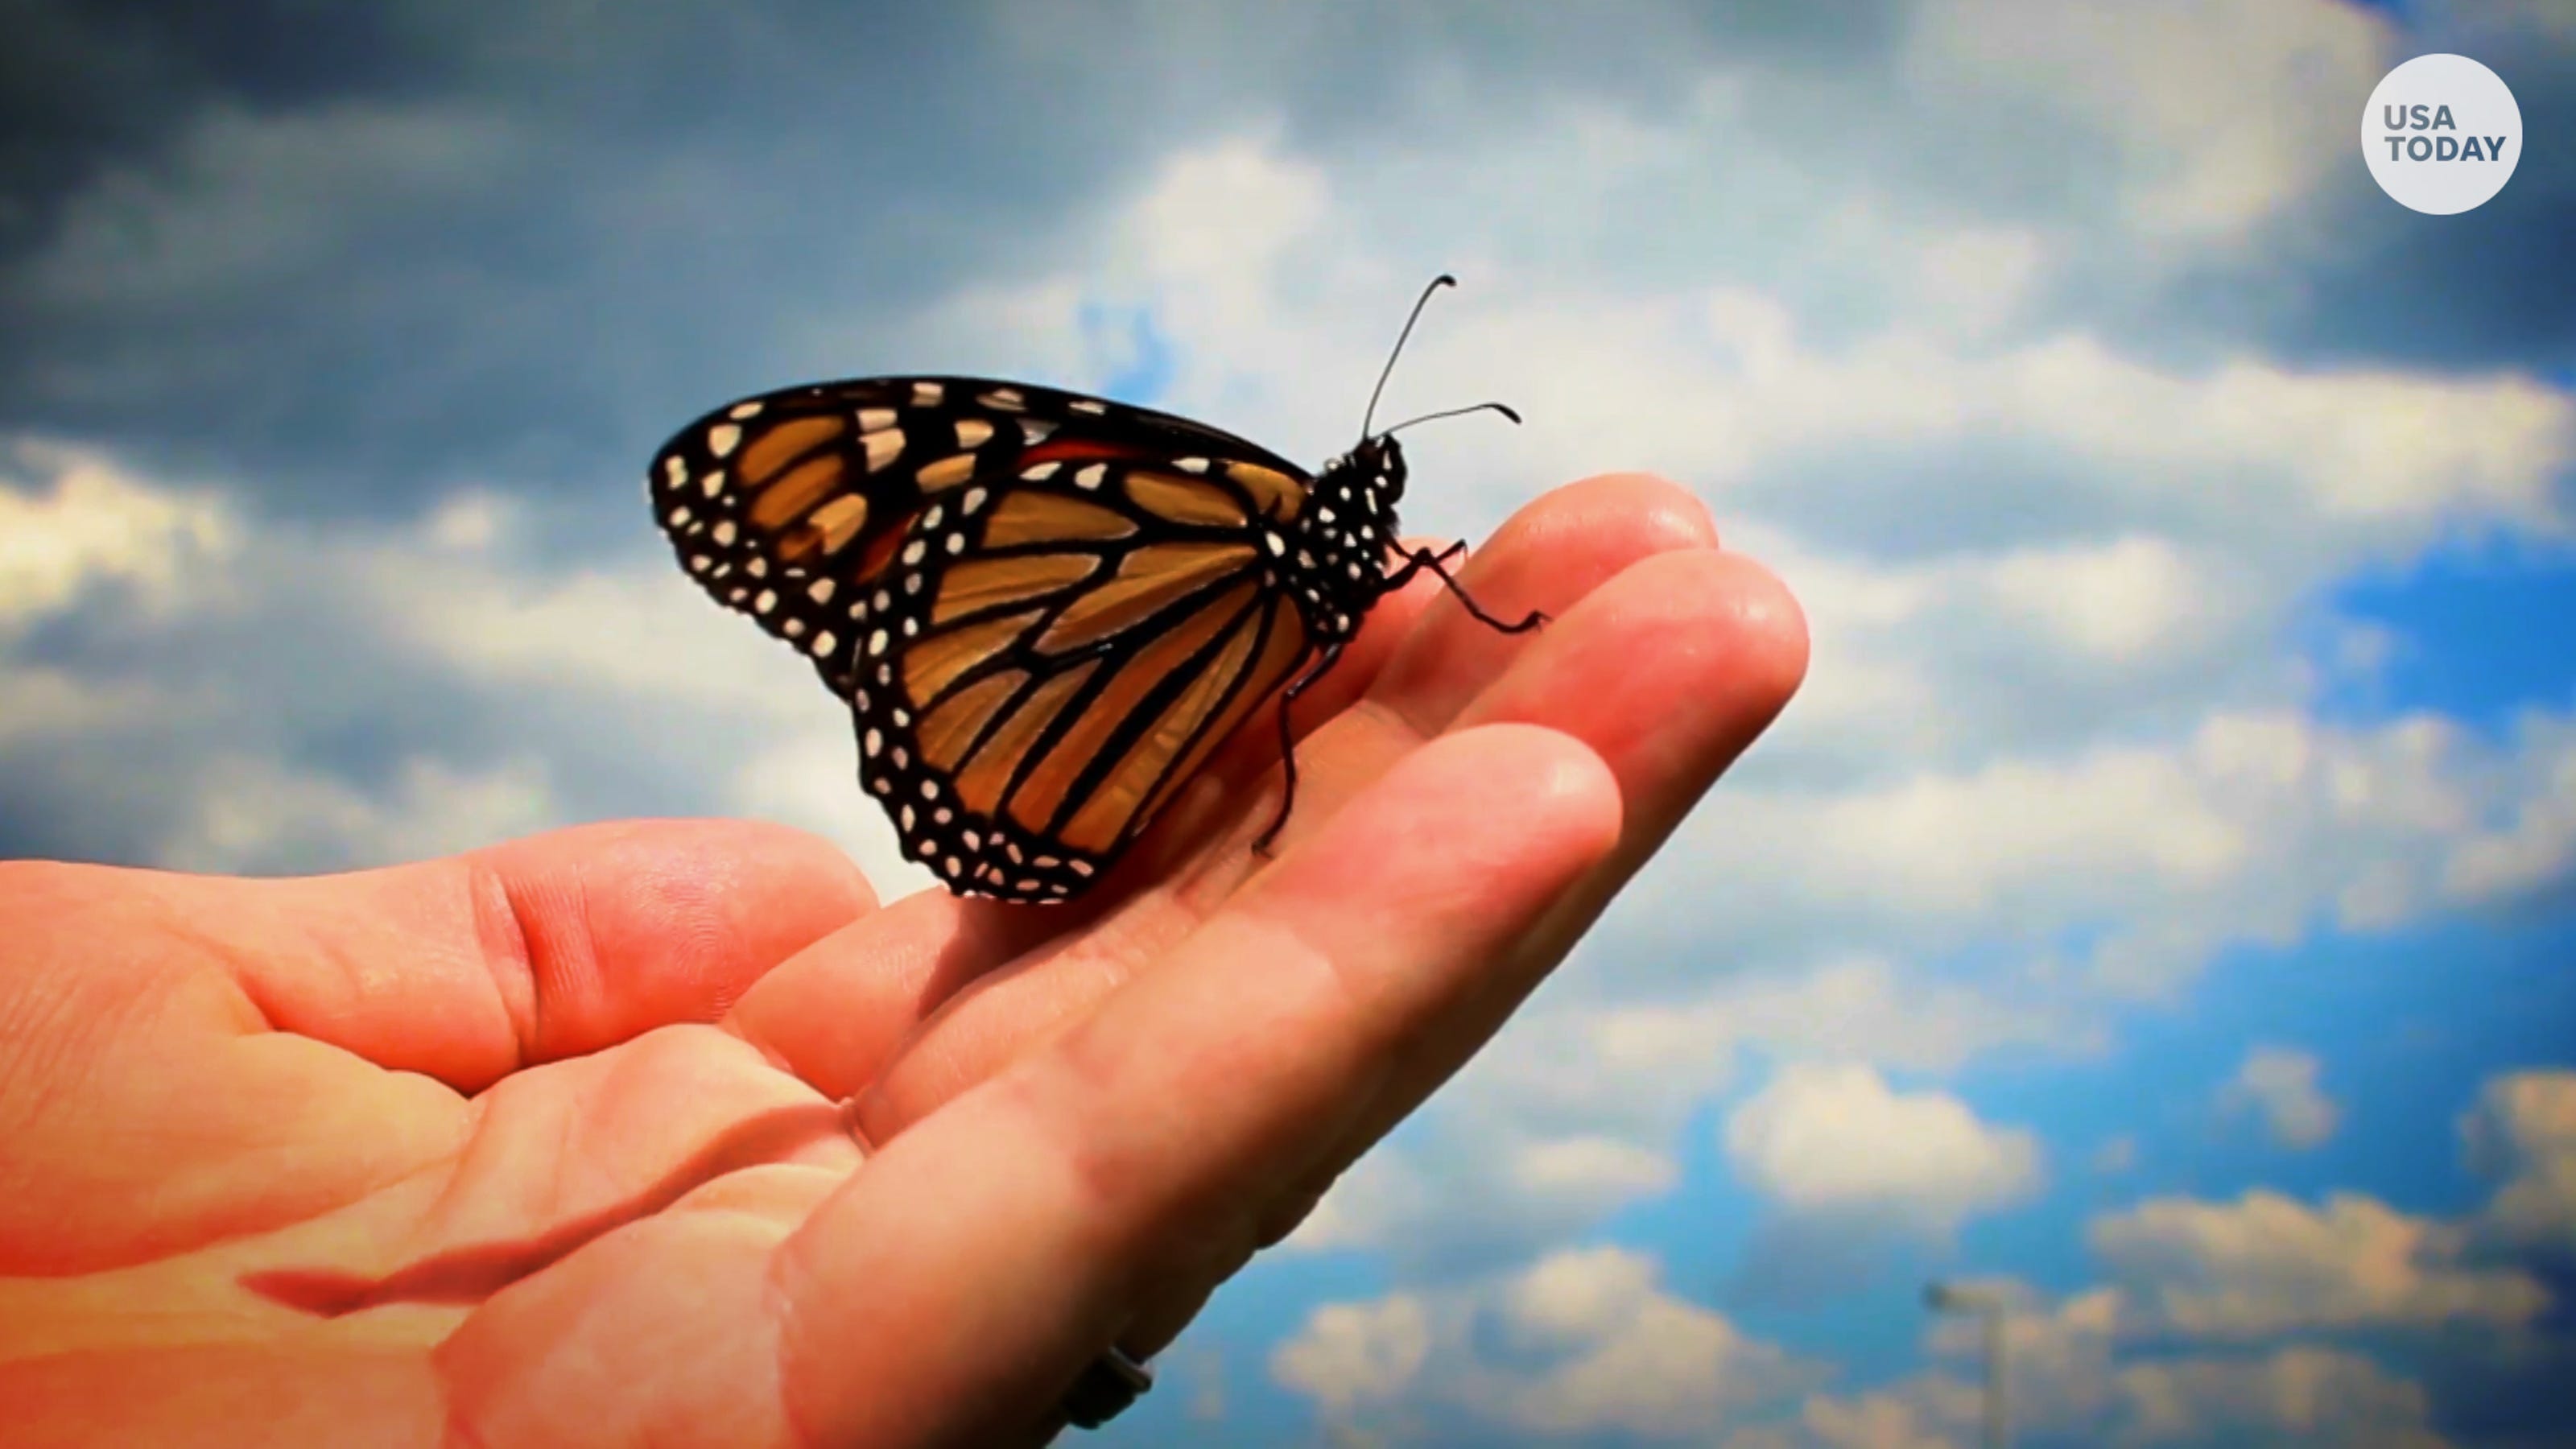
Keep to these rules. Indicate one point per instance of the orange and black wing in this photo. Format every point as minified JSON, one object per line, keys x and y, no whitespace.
{"x":1046,"y":610}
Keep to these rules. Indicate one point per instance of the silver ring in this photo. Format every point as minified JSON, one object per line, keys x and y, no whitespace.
{"x":1108,"y":1385}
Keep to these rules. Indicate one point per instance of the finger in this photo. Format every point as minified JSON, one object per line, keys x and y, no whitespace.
{"x":467,"y":968}
{"x":982,"y":1258}
{"x":1549,"y":557}
{"x":1669,"y":674}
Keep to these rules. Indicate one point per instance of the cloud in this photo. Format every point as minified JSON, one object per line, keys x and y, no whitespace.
{"x":2523,"y":1133}
{"x":2268,"y":1264}
{"x":1930,"y":1413}
{"x":1577,"y":1109}
{"x":2301,"y":1396}
{"x":2066,"y":1383}
{"x":86,"y":525}
{"x":1580,"y":1342}
{"x":1615,"y":1170}
{"x":2247,"y":829}
{"x":429,"y":251}
{"x":2361,"y":280}
{"x":2223,"y":119}
{"x":1354,"y":1354}
{"x":252,"y":817}
{"x":2531,"y":853}
{"x":1836,"y":1140}
{"x":192,"y":688}
{"x":2280,"y":1084}
{"x":1857,"y":1007}
{"x":2267,"y":1320}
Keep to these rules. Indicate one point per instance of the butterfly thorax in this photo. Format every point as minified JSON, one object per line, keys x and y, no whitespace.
{"x":1335,"y":551}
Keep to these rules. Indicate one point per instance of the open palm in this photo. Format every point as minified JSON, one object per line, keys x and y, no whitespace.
{"x":667,"y":1132}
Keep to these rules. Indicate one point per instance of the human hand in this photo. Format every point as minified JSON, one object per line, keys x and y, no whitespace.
{"x":667,"y":1132}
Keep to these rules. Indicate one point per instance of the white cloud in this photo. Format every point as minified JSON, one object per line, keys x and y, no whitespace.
{"x":2280,"y":1084}
{"x":1617,"y":1171}
{"x":1634,"y":1358}
{"x":87,"y":523}
{"x":2267,"y":1264}
{"x":1635,"y":1060}
{"x":1581,"y":1342}
{"x":44,"y":704}
{"x":2118,"y":601}
{"x":1929,"y":1413}
{"x":2523,"y":1132}
{"x":622,"y":631}
{"x":1354,"y":1354}
{"x":1578,"y":1107}
{"x":2535,"y":847}
{"x":597,"y":691}
{"x":1836,"y":1139}
{"x":2306,"y":1396}
{"x":2066,"y":1384}
{"x":2224,"y":116}
{"x":1971,"y":282}
{"x":808,"y":777}
{"x":1859,"y":1007}
{"x":2246,"y":830}
{"x":252,"y":816}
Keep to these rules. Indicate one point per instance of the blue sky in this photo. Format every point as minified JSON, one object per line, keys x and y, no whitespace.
{"x":2157,"y":908}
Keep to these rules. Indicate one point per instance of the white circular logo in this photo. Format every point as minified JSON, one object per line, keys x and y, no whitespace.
{"x":2441,"y":134}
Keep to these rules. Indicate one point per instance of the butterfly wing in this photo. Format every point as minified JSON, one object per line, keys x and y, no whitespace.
{"x":1046,"y":610}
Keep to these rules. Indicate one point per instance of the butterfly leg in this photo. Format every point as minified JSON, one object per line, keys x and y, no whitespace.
{"x":1288,"y":746}
{"x":1423,"y":558}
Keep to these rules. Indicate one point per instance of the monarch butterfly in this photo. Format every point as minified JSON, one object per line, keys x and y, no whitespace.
{"x":1045,"y":610}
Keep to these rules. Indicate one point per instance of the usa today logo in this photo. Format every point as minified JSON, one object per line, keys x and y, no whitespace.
{"x":2441,"y":134}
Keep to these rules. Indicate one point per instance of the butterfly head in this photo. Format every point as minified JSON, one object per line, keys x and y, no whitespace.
{"x":1377,"y":466}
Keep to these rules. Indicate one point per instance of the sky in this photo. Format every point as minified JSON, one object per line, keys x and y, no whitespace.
{"x":2155,"y":912}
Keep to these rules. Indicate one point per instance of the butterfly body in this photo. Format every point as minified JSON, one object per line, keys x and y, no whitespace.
{"x":1335,"y":564}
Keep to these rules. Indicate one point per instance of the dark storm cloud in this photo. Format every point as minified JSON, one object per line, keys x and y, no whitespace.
{"x":343,"y":258}
{"x":84,"y":86}
{"x":502,"y":243}
{"x":2484,"y":289}
{"x":350,"y":257}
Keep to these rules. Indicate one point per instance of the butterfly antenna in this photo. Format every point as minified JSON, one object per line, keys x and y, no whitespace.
{"x":1438,"y":282}
{"x":1488,"y":407}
